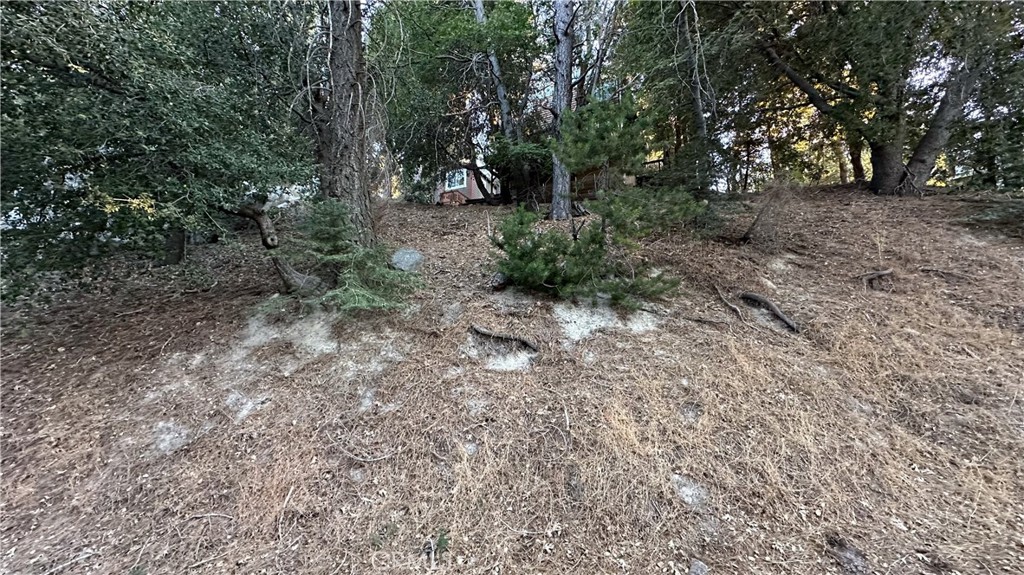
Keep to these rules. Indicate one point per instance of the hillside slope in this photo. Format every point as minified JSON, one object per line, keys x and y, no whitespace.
{"x":172,"y":423}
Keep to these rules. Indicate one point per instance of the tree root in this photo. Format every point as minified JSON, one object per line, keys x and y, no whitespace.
{"x":735,"y":309}
{"x":295,"y":281}
{"x":771,"y":307}
{"x":488,"y":333}
{"x":869,"y":278}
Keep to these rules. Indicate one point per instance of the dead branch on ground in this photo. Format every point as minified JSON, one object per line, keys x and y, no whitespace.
{"x":868,"y":278}
{"x":748,"y":296}
{"x":945,"y":273}
{"x":703,"y":320}
{"x":488,"y":333}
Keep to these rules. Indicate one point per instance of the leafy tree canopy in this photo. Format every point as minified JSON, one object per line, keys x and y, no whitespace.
{"x":119,"y":117}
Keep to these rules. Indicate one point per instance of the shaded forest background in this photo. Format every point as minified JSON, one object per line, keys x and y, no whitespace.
{"x":131,"y":127}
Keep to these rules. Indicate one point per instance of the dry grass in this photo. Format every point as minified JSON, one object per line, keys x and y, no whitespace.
{"x":895,"y":419}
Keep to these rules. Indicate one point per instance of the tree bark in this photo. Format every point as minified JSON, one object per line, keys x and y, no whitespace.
{"x":695,"y":88}
{"x":343,"y":173}
{"x":256,"y":212}
{"x":294,"y":281}
{"x":174,"y":247}
{"x":886,"y":167}
{"x":561,"y":200}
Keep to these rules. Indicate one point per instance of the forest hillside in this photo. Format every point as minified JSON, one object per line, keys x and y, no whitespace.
{"x":182,"y":419}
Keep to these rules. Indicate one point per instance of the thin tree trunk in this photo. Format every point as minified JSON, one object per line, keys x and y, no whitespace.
{"x":844,"y":171}
{"x":695,"y":87}
{"x":561,"y":202}
{"x":703,"y":166}
{"x":256,"y":211}
{"x":508,"y":127}
{"x":343,"y":177}
{"x":856,"y":147}
{"x":746,"y":167}
{"x":922,"y":162}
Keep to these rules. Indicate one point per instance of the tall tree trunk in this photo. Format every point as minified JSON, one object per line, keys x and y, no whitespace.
{"x":343,"y":176}
{"x":561,"y":202}
{"x":856,"y":147}
{"x":508,"y":127}
{"x":695,"y":86}
{"x":922,"y":162}
{"x":703,"y":164}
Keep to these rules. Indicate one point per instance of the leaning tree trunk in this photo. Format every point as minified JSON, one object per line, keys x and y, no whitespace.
{"x":343,"y":174}
{"x":561,"y":202}
{"x":922,"y":162}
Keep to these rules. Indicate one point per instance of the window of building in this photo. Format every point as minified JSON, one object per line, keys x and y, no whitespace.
{"x":456,"y":179}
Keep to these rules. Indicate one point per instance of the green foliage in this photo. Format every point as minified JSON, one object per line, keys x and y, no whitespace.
{"x":119,"y":118}
{"x":509,"y":160}
{"x":604,"y":134}
{"x":420,"y":191}
{"x":634,"y":213}
{"x":360,"y":277}
{"x":431,"y":58}
{"x":553,"y":262}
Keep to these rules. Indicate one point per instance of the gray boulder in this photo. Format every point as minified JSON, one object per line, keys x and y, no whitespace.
{"x":407,"y":260}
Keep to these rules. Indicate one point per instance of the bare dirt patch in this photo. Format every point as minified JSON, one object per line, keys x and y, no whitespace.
{"x":155,"y":428}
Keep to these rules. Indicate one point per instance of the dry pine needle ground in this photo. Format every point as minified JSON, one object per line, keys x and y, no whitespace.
{"x":157,"y":430}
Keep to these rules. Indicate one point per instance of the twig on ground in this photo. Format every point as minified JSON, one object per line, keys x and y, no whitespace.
{"x":363,"y":459}
{"x":488,"y":333}
{"x":86,"y":553}
{"x":205,"y":515}
{"x":166,"y":342}
{"x":771,"y":307}
{"x":703,"y":320}
{"x":729,"y":305}
{"x":198,"y":290}
{"x":945,"y":273}
{"x":280,"y":516}
{"x":138,"y":559}
{"x":198,"y":564}
{"x":869,"y":277}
